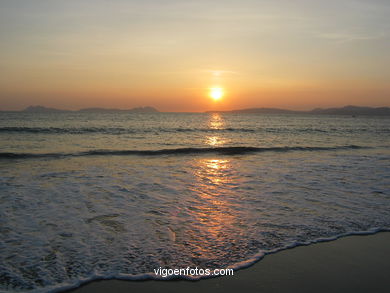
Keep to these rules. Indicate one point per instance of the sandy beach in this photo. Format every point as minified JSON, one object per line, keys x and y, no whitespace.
{"x":349,"y":264}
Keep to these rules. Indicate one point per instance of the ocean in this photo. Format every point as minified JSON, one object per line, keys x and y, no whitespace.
{"x":87,"y":196}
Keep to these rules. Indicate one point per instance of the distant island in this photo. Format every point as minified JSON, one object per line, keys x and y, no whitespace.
{"x":347,"y":110}
{"x":42,"y":109}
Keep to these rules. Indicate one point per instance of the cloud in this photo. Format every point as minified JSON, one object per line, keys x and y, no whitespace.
{"x":350,"y":37}
{"x":219,"y":72}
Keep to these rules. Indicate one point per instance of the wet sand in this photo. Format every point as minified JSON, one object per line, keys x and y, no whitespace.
{"x":349,"y":264}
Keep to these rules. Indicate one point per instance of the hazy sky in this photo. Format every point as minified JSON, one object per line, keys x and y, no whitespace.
{"x":168,"y":53}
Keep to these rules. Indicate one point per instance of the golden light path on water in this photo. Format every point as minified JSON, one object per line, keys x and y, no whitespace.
{"x":215,"y":122}
{"x":213,"y":208}
{"x":212,"y":211}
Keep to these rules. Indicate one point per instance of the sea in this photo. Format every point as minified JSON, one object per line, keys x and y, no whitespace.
{"x":116,"y":195}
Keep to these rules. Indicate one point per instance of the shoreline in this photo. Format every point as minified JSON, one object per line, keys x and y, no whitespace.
{"x":356,"y":263}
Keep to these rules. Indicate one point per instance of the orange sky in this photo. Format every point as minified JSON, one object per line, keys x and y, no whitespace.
{"x":168,"y":54}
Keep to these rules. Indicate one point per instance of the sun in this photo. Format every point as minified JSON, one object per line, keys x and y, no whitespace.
{"x":216,"y":93}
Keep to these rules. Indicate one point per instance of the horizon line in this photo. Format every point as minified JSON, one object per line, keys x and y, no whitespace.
{"x":155,"y":110}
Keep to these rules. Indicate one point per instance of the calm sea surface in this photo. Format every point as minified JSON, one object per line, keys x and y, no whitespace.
{"x":117,"y":195}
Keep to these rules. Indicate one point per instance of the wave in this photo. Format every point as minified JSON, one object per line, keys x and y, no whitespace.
{"x":122,"y":130}
{"x":113,"y":130}
{"x":176,"y":151}
{"x":235,"y":267}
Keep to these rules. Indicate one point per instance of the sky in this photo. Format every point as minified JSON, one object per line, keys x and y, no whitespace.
{"x":169,"y":54}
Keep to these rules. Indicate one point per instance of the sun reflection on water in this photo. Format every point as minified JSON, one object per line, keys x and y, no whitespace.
{"x":215,"y":218}
{"x":214,"y":141}
{"x":216,"y":121}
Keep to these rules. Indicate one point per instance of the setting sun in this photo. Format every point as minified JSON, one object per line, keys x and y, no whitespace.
{"x":216,"y":93}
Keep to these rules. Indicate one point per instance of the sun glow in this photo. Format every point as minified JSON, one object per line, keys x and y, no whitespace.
{"x":216,"y":93}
